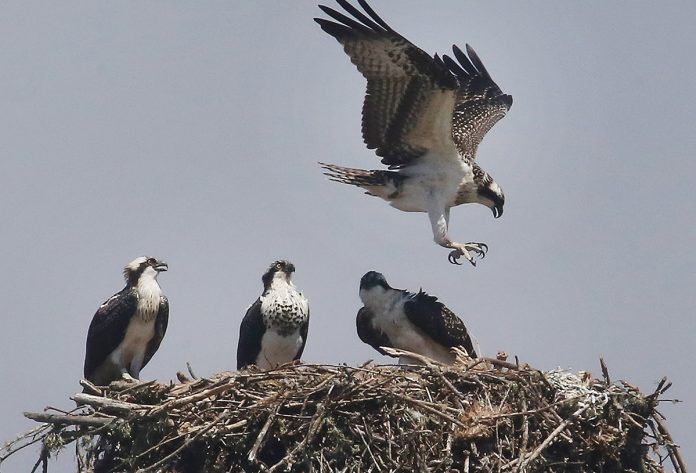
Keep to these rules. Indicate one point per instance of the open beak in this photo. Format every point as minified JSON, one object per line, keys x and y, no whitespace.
{"x":161,"y":266}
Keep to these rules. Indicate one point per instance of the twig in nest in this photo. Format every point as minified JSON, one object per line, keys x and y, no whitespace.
{"x":605,"y":371}
{"x":550,"y":438}
{"x":672,"y":449}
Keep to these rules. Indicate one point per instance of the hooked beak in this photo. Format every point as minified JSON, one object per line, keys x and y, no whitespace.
{"x":497,"y":211}
{"x":161,"y":266}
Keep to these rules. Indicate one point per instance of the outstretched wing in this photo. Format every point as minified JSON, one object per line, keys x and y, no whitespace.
{"x":368,"y":333}
{"x":108,"y":327}
{"x":438,"y":322}
{"x":410,"y":94}
{"x":250,"y":335}
{"x":161,"y":323}
{"x":480,"y":102}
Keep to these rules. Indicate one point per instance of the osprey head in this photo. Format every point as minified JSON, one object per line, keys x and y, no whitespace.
{"x":375,"y":291}
{"x":143,"y":266}
{"x":373,"y":279}
{"x":280,"y":269}
{"x":491,"y":195}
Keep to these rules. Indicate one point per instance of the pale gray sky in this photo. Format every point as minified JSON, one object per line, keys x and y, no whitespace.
{"x":191,"y":131}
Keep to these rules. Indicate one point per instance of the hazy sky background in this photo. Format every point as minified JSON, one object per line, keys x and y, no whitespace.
{"x":190,"y":131}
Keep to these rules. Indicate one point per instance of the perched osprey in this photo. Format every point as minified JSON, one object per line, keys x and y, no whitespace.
{"x":415,"y":322}
{"x":425,"y":116}
{"x":274,"y":329}
{"x":128,"y":328}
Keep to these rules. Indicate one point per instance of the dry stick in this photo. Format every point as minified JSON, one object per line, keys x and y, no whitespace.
{"x":311,"y":431}
{"x":9,"y":448}
{"x":259,"y":439}
{"x":561,"y":427}
{"x":106,"y":404}
{"x":605,"y":371}
{"x":432,"y":410}
{"x":218,"y":388}
{"x":525,"y":433}
{"x":672,"y":449}
{"x":94,"y":421}
{"x":164,"y":460}
{"x":429,"y":362}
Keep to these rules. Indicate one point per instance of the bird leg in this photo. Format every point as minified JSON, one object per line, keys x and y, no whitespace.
{"x":126,"y":376}
{"x":440,"y":223}
{"x":463,"y":249}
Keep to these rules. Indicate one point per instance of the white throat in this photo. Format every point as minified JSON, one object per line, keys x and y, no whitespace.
{"x":149,"y":294}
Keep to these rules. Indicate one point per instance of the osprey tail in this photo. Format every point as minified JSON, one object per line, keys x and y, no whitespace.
{"x":384,"y":184}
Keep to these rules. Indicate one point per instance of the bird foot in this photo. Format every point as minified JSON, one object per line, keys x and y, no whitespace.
{"x":478,"y":249}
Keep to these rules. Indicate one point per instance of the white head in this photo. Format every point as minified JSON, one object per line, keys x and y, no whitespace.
{"x":143,"y":267}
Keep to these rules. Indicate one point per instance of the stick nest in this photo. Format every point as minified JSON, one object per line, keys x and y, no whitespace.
{"x":476,"y":416}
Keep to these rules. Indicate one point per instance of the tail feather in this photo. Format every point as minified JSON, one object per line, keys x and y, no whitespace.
{"x":384,"y":184}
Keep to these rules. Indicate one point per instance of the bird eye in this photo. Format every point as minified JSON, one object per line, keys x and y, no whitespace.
{"x":151,"y":261}
{"x":278,"y":266}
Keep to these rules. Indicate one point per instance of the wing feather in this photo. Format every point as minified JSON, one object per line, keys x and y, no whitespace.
{"x":304,"y":329}
{"x":250,"y":334}
{"x":107,"y":329}
{"x":438,"y":322}
{"x":161,"y":323}
{"x":410,"y":94}
{"x":480,"y":102}
{"x":368,"y":333}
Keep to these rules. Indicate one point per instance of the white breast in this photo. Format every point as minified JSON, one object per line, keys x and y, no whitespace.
{"x":391,"y":319}
{"x":130,"y":354}
{"x":277,"y":349}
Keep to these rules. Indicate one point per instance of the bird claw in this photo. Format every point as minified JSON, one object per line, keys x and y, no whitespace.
{"x":454,"y":257}
{"x":479,"y":249}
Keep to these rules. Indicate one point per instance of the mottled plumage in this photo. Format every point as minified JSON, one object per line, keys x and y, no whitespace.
{"x":128,"y":328}
{"x":274,"y":328}
{"x":425,"y":116}
{"x":415,"y":322}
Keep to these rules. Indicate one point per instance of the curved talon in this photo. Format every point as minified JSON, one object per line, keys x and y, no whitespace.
{"x":484,"y":248}
{"x":453,"y":257}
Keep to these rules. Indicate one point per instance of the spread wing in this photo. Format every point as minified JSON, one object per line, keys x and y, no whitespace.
{"x":368,"y":333}
{"x":438,"y":322}
{"x":410,"y":94}
{"x":250,"y":334}
{"x":480,"y":102}
{"x":161,"y":323}
{"x":108,"y":327}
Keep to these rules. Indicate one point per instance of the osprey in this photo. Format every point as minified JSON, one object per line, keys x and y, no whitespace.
{"x":415,"y":322}
{"x":274,"y":329}
{"x":425,"y":117}
{"x":128,"y":328}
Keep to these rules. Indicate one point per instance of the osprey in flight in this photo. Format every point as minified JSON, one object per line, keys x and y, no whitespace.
{"x":415,"y":322}
{"x":128,"y":328}
{"x":425,"y":117}
{"x":274,"y":329}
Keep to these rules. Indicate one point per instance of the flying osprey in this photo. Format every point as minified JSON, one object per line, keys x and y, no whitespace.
{"x":128,"y":328}
{"x":425,"y":116}
{"x":415,"y":322}
{"x":274,"y":329}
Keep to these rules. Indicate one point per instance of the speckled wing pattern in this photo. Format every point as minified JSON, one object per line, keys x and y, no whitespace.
{"x":367,"y":332}
{"x":480,"y":102}
{"x":438,"y":322}
{"x":408,"y":91}
{"x":161,"y":323}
